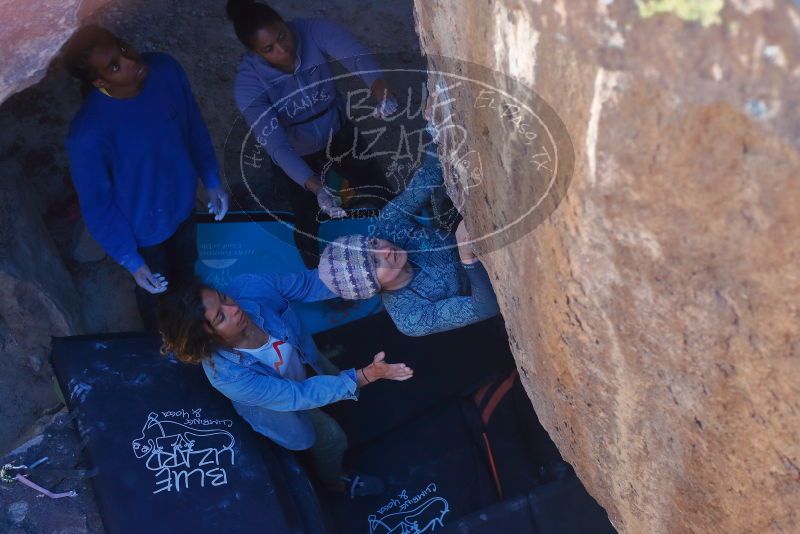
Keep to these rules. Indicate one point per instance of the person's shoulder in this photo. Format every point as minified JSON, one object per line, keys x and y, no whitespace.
{"x":221,"y":370}
{"x":402,"y":298}
{"x":306,"y":23}
{"x":246,"y":72}
{"x":161,"y":60}
{"x":403,"y":306}
{"x":314,"y":28}
{"x":236,"y":284}
{"x":251,"y":286}
{"x":164,"y":68}
{"x":302,"y":24}
{"x":253,"y":76}
{"x":88,"y":124}
{"x":80,"y":121}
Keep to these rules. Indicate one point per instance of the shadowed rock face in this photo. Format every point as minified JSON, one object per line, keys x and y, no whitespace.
{"x":32,"y":32}
{"x":37,"y":301}
{"x":37,"y":296}
{"x":654,"y":314}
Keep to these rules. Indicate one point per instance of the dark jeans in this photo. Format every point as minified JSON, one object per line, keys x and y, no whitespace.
{"x":175,"y":259}
{"x":329,"y":447}
{"x":364,"y":174}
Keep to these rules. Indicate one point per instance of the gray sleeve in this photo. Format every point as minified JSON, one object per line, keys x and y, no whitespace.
{"x":261,"y":116}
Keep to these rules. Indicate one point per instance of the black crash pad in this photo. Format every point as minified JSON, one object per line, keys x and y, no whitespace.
{"x":445,"y":365}
{"x":171,"y":453}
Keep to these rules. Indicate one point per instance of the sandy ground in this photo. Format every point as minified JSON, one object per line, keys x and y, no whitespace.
{"x":200,"y":37}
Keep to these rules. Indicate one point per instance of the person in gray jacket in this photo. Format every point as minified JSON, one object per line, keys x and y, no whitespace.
{"x":285,"y":90}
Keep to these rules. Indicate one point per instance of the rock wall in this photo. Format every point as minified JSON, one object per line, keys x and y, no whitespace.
{"x":37,"y":296}
{"x":654,"y":314}
{"x":31,"y":34}
{"x":37,"y":301}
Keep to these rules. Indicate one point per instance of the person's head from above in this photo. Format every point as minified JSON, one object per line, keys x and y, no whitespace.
{"x":356,"y":267}
{"x":99,"y":58}
{"x":262,"y":30}
{"x":196,"y":318}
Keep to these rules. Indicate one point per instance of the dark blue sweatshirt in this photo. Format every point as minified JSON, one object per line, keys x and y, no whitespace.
{"x":135,"y":161}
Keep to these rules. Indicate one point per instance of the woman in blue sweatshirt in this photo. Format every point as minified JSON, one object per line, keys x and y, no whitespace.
{"x":136,"y":149}
{"x":284,"y":90}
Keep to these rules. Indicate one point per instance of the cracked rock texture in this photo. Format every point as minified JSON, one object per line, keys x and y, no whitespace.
{"x":31,"y":34}
{"x":654,"y":314}
{"x":37,"y":300}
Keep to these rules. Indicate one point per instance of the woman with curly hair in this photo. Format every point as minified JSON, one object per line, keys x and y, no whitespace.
{"x":253,"y":350}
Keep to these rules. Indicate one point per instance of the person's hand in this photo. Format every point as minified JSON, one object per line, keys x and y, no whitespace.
{"x":329,"y":205}
{"x":387,"y":102}
{"x":217,"y":202}
{"x":464,"y":241}
{"x":152,"y":283}
{"x":386,"y":108}
{"x":379,"y":369}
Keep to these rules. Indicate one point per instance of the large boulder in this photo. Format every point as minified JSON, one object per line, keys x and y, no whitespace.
{"x":37,"y":296}
{"x":654,"y":313}
{"x":37,"y":301}
{"x":31,"y":34}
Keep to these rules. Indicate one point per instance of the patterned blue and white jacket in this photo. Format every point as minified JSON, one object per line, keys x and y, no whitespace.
{"x":444,"y":293}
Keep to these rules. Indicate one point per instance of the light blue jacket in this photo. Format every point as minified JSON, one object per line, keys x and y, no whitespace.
{"x":275,"y":406}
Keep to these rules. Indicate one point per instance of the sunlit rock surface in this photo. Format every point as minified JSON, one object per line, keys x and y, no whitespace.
{"x":31,"y":33}
{"x":654,"y":314}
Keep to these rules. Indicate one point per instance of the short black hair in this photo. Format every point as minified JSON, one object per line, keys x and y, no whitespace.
{"x":76,"y":51}
{"x":248,"y":17}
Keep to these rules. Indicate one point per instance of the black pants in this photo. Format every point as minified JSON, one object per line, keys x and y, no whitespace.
{"x":364,"y":174}
{"x":175,"y":259}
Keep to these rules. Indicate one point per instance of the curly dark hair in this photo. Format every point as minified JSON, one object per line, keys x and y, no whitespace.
{"x":248,"y":17}
{"x":77,"y":50}
{"x":182,"y":323}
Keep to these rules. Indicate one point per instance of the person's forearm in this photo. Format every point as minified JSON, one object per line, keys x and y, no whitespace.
{"x":380,"y":89}
{"x":313,"y":184}
{"x":364,"y":377}
{"x":484,"y":299}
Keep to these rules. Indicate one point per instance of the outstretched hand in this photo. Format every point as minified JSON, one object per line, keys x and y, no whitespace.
{"x":152,"y":283}
{"x":380,"y":369}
